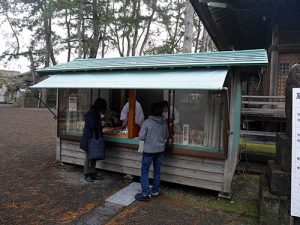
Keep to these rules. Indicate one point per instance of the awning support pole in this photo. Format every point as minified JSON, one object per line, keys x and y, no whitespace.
{"x":36,"y":96}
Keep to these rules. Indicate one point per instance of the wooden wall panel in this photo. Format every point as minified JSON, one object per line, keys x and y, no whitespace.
{"x":187,"y":170}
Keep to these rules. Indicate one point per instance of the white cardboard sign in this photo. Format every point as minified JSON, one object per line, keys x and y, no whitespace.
{"x":295,"y":192}
{"x":72,"y":103}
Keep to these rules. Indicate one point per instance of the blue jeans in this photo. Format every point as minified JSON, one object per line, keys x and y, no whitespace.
{"x":156,"y":158}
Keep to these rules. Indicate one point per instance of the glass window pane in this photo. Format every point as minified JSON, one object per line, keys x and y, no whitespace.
{"x":73,"y":104}
{"x":200,"y":118}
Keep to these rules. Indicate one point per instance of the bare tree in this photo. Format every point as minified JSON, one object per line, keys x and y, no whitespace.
{"x":131,"y":27}
{"x":205,"y":38}
{"x":79,"y":28}
{"x":188,"y":24}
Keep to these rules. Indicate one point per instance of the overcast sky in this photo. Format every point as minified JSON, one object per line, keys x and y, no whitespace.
{"x":21,"y":64}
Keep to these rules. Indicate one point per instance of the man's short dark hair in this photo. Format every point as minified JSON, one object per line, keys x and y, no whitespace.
{"x":156,"y":109}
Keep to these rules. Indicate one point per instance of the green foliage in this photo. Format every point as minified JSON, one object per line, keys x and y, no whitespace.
{"x":243,"y":204}
{"x":130,"y":27}
{"x":171,"y":19}
{"x":258,"y":147}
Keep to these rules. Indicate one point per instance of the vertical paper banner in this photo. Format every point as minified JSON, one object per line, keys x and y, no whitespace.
{"x":295,"y":192}
{"x":72,"y":104}
{"x":186,"y":134}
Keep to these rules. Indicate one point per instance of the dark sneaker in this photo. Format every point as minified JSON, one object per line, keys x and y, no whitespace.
{"x":154,"y":194}
{"x":96,"y":177}
{"x":88,"y":178}
{"x":141,"y":197}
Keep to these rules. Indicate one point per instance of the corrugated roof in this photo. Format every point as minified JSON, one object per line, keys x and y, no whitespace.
{"x":204,"y":59}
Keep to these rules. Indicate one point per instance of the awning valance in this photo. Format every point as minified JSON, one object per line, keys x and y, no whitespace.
{"x":205,"y":79}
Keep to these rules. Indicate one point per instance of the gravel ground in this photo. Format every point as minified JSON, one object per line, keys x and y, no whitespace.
{"x":35,"y":189}
{"x":182,"y":205}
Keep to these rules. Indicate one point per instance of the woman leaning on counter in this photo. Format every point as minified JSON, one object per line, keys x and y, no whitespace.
{"x":92,"y":127}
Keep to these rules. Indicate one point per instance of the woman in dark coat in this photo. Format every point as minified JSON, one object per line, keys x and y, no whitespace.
{"x":92,"y":126}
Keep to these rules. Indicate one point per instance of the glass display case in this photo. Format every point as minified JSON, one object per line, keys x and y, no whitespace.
{"x":201,"y":118}
{"x":73,"y":104}
{"x":199,"y":123}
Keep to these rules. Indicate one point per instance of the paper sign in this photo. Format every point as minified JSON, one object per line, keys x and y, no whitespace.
{"x":185,"y":136}
{"x":295,"y":192}
{"x":72,"y":104}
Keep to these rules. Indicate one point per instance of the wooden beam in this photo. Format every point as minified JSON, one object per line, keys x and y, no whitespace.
{"x":226,"y":128}
{"x":122,"y":98}
{"x":204,"y":14}
{"x":131,"y":114}
{"x":286,"y":48}
{"x":274,"y":61}
{"x":261,"y":96}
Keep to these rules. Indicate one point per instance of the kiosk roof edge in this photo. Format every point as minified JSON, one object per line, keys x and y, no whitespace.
{"x":256,"y":57}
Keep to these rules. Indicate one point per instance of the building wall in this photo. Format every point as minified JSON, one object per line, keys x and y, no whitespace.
{"x":286,"y":61}
{"x":284,"y":50}
{"x":187,"y":170}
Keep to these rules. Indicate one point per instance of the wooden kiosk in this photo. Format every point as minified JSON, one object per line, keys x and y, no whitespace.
{"x":203,"y":87}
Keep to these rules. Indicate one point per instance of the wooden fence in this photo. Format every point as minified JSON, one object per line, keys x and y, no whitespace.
{"x":267,"y":109}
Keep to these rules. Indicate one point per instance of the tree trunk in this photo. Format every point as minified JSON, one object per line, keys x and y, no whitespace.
{"x":189,"y":24}
{"x":103,"y":45}
{"x":51,"y":46}
{"x":67,"y":21}
{"x":46,"y":12}
{"x":136,"y":9}
{"x":79,"y":31}
{"x":32,"y":67}
{"x":47,"y":39}
{"x":128,"y":45}
{"x":198,"y":36}
{"x":96,"y":31}
{"x":84,"y":43}
{"x":148,"y":27}
{"x":204,"y":40}
{"x":173,"y":38}
{"x":103,"y":42}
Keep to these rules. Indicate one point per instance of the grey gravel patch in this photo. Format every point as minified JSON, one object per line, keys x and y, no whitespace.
{"x":76,"y":178}
{"x":72,"y":178}
{"x":99,"y":215}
